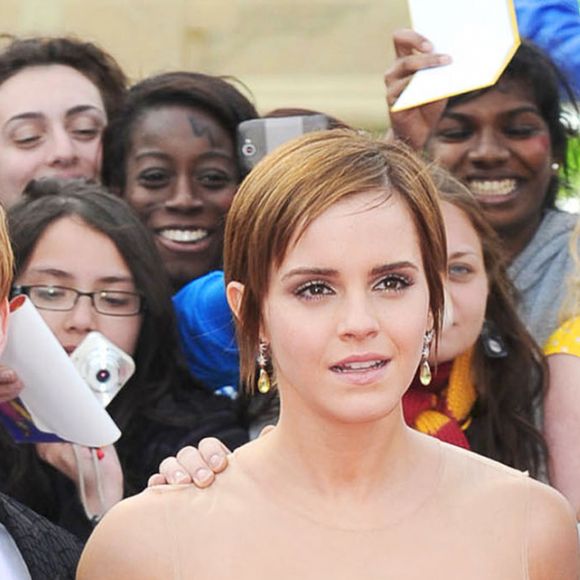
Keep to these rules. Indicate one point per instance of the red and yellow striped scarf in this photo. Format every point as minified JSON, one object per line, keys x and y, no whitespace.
{"x":442,"y":409}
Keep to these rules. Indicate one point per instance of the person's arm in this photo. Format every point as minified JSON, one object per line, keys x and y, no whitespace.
{"x":98,"y":481}
{"x":562,"y":426}
{"x":413,"y":53}
{"x":553,"y":549}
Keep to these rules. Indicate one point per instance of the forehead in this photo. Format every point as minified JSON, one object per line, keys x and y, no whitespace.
{"x":363,"y":230}
{"x":506,"y":95}
{"x":165,"y":124}
{"x":460,"y":233}
{"x":95,"y":253}
{"x":47,"y":89}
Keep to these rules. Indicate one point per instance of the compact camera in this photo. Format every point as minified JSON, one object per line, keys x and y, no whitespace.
{"x":103,"y":366}
{"x":258,"y":137}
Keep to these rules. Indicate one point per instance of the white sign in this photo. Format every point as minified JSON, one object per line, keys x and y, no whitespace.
{"x":481,"y":37}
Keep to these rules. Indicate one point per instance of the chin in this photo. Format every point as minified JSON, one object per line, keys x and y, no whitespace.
{"x":365,"y":410}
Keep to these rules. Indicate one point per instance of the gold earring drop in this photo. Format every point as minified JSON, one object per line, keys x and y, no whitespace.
{"x":425,"y":375}
{"x":263,"y":377}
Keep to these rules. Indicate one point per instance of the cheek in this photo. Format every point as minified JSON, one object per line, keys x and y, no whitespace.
{"x":123,"y":331}
{"x":222,"y":200}
{"x":17,"y":168}
{"x":92,"y":157}
{"x":469,"y":301}
{"x":293,"y":337}
{"x":537,"y":151}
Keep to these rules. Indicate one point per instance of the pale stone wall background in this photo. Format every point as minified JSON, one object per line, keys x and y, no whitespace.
{"x":321,"y":54}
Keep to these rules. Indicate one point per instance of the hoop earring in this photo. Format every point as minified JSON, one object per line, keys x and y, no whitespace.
{"x":264,"y":383}
{"x":425,"y":375}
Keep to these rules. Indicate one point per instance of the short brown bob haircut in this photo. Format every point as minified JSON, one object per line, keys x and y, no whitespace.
{"x":298,"y":182}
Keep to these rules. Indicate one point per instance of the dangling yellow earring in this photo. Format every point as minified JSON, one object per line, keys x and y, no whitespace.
{"x":263,"y":378}
{"x":425,"y":375}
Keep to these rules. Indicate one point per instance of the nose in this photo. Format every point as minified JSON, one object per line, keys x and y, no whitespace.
{"x":489,"y":148}
{"x":185,"y":198}
{"x":63,"y":150}
{"x":83,"y":317}
{"x":358,"y":317}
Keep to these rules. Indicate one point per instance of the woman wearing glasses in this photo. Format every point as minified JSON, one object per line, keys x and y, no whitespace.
{"x":88,"y":264}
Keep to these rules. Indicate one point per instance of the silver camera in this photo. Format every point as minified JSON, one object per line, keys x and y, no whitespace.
{"x":103,"y":366}
{"x":258,"y":137}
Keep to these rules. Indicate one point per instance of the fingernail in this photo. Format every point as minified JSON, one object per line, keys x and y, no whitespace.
{"x":426,"y":46}
{"x":202,"y":475}
{"x":444,"y":59}
{"x":178,"y":477}
{"x":7,"y":375}
{"x":216,"y":461}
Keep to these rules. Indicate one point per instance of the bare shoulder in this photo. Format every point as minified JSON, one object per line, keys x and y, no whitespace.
{"x":553,"y":547}
{"x":134,"y":540}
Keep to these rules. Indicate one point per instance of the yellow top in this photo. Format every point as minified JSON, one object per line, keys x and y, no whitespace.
{"x":566,"y":339}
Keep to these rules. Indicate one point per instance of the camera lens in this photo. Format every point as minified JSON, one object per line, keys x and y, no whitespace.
{"x":248,"y":149}
{"x":103,"y":376}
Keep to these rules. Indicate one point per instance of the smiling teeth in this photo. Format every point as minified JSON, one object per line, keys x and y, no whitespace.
{"x":497,"y":187}
{"x":359,"y":366}
{"x":184,"y":236}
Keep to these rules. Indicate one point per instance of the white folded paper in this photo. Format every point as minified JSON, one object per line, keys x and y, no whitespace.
{"x":481,"y":37}
{"x":55,"y":395}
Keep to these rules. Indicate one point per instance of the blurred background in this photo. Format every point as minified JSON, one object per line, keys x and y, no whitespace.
{"x":327,"y":55}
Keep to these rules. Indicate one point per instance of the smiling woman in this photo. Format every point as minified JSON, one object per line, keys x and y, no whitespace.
{"x":171,"y":154}
{"x":508,"y":143}
{"x":56,"y":95}
{"x":89,"y":264}
{"x":339,"y":274}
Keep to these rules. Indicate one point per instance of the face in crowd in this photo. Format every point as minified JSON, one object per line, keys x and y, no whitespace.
{"x":53,"y":272}
{"x":51,"y":123}
{"x":182,"y":175}
{"x":499,"y":145}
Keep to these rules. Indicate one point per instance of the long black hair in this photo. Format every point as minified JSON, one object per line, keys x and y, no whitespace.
{"x":161,"y":392}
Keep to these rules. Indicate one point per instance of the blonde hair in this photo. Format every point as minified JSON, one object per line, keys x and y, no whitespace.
{"x":6,"y":258}
{"x":298,"y":182}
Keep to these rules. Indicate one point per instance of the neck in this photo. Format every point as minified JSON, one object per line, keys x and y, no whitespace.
{"x":333,"y":459}
{"x":515,"y":240}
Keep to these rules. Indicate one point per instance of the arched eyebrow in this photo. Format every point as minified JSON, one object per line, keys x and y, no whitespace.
{"x":37,"y":115}
{"x":83,"y":109}
{"x":332,"y":273}
{"x":306,"y":271}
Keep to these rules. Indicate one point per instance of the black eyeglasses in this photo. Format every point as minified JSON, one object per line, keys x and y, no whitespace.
{"x":61,"y":298}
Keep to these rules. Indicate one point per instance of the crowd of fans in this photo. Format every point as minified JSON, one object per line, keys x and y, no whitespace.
{"x":112,"y":190}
